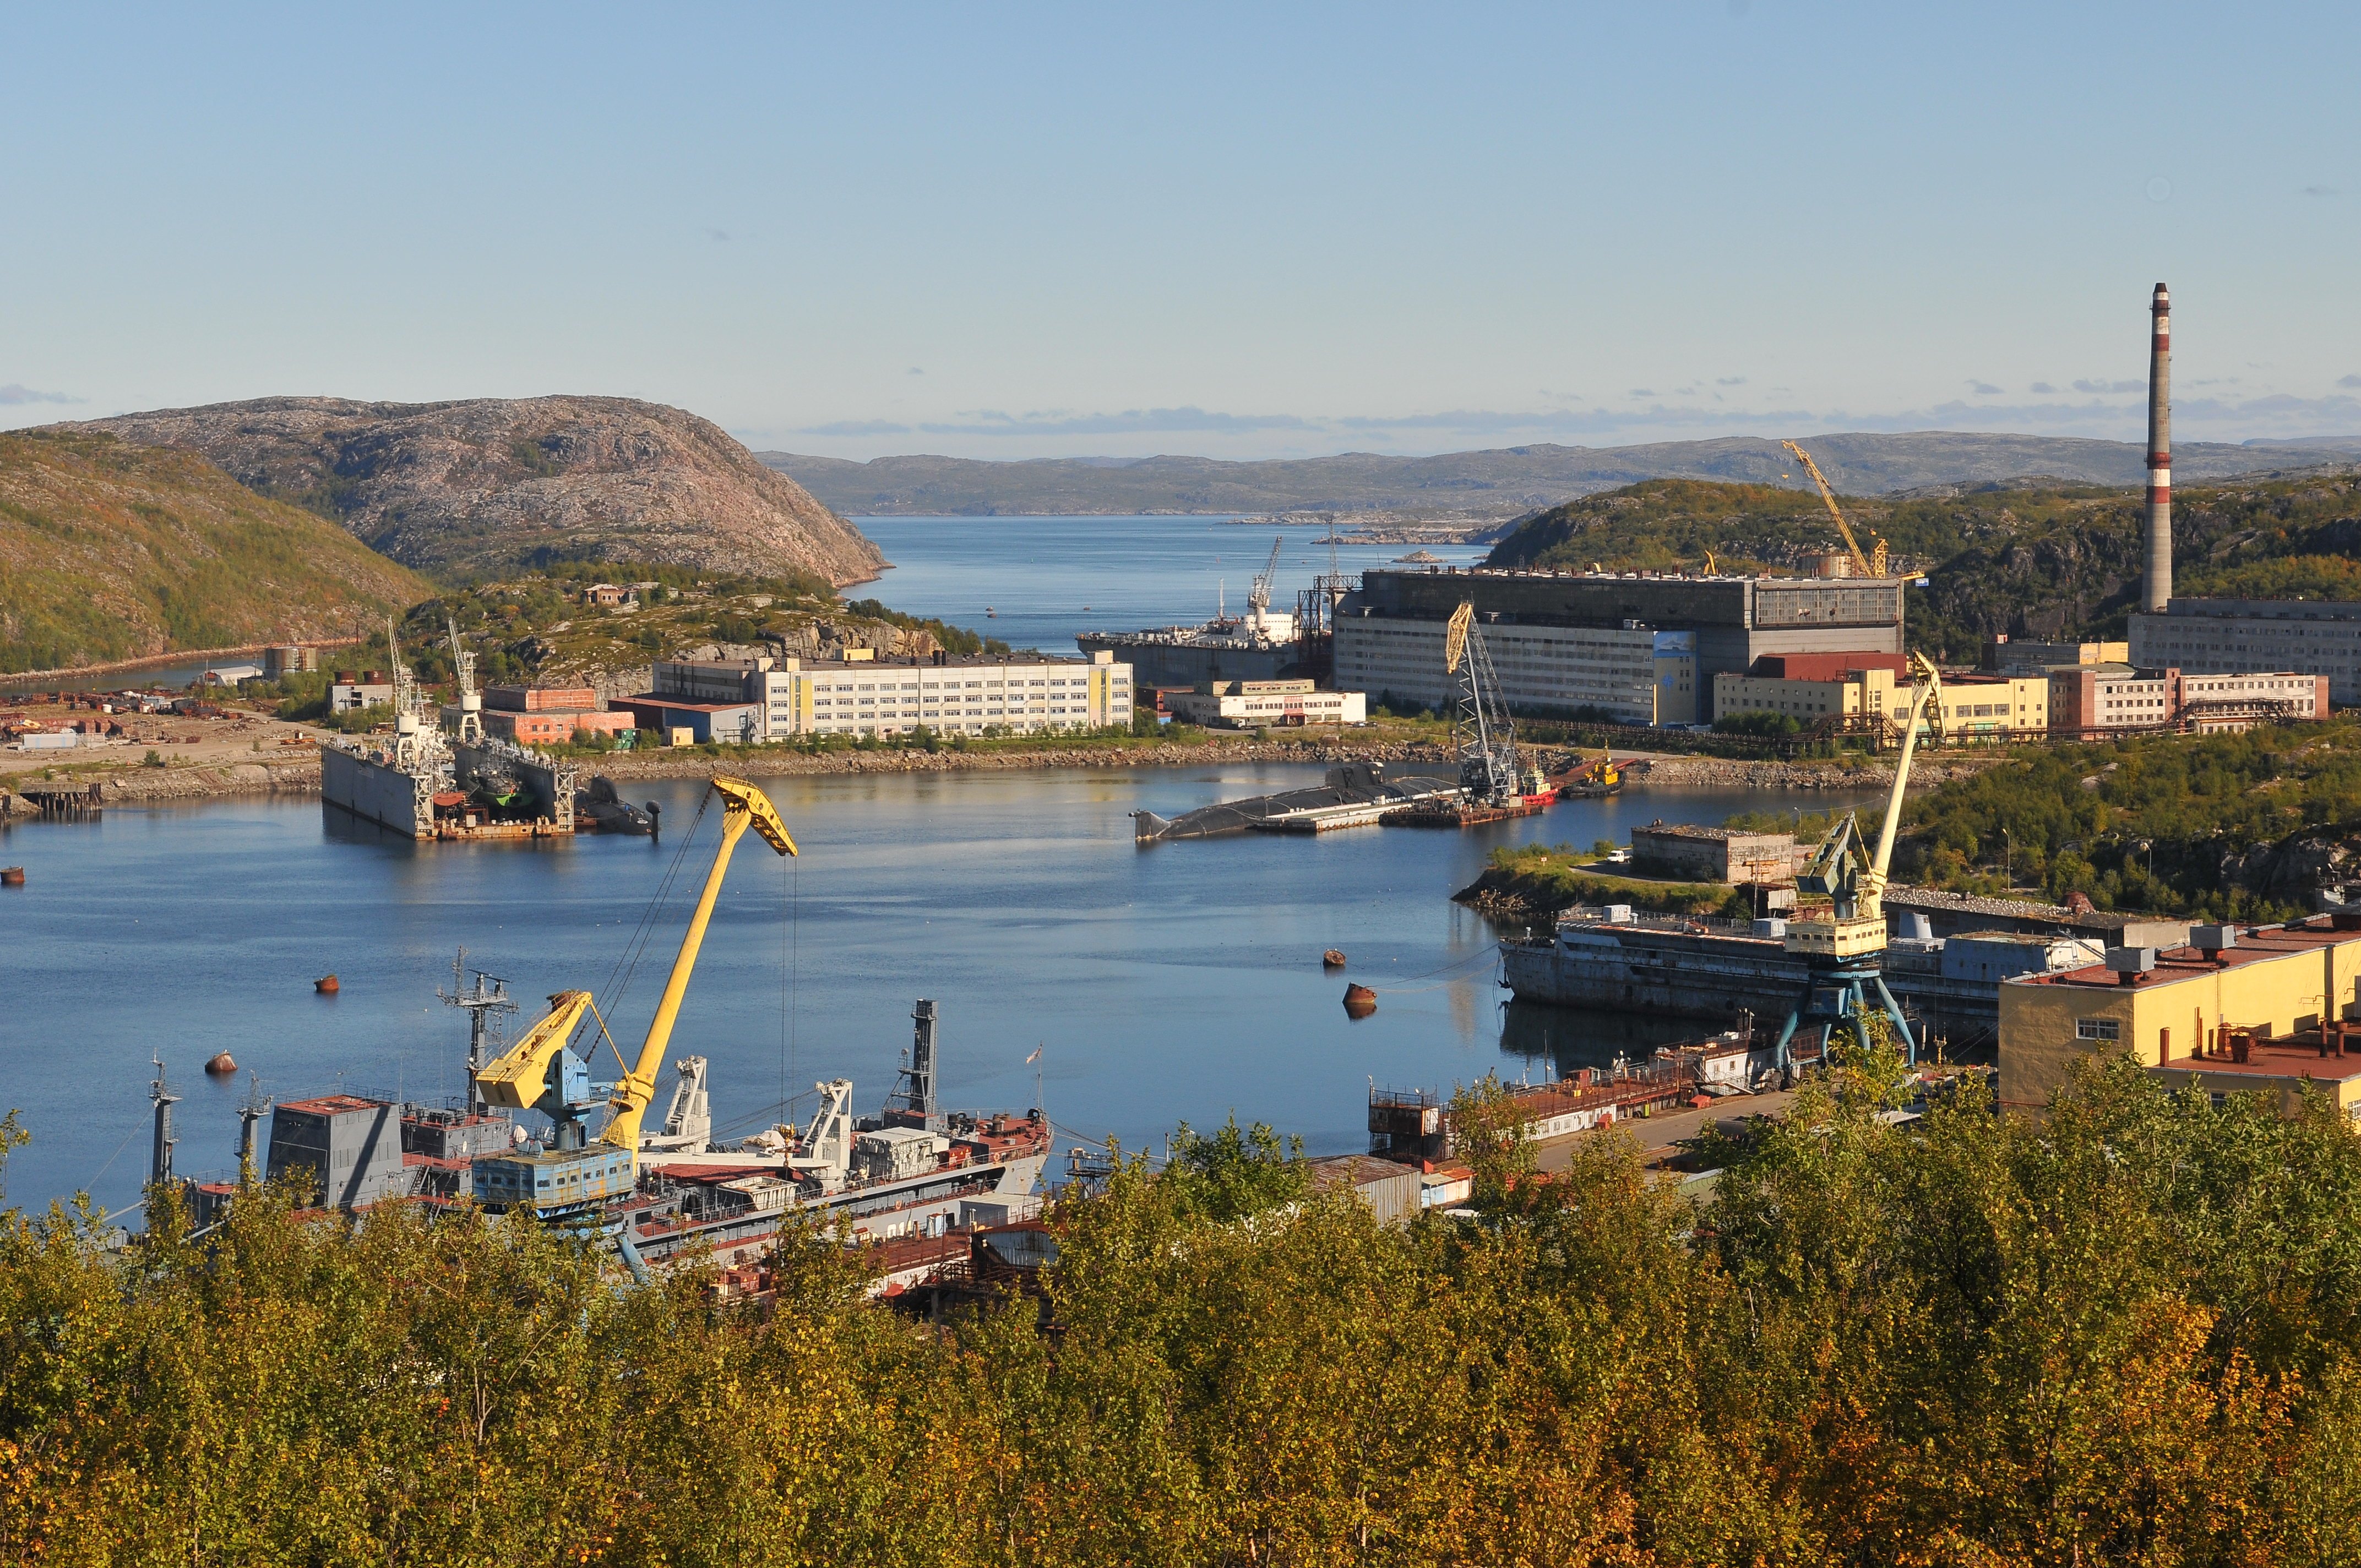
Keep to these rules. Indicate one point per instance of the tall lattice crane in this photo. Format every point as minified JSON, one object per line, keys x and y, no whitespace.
{"x":1870,"y":566}
{"x":1480,"y":733}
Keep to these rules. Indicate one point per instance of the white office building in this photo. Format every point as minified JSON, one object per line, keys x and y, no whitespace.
{"x":767,"y":699}
{"x":2203,"y":636}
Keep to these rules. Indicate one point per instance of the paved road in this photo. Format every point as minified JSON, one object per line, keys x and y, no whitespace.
{"x":1661,"y":1131}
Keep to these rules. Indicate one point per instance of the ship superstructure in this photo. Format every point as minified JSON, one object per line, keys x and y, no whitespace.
{"x":1262,"y":644}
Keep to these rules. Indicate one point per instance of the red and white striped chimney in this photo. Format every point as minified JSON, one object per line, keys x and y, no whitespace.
{"x":2155,"y":585}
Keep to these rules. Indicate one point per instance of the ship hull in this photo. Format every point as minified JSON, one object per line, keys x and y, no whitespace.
{"x":919,"y":1204}
{"x":1613,"y":967}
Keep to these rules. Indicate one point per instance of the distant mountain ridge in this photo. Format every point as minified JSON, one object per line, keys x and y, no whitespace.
{"x":1499,"y":482}
{"x":489,"y":483}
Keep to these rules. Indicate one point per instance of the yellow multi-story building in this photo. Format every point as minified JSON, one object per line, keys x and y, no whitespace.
{"x":1975,"y":707}
{"x":2253,"y":1007}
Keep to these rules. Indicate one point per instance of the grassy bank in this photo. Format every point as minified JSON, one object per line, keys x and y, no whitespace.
{"x":1538,"y":880}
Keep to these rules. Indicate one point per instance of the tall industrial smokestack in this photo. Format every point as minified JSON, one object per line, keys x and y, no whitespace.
{"x":2155,"y":587}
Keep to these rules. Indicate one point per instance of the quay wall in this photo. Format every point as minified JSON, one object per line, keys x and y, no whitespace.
{"x":373,"y":794}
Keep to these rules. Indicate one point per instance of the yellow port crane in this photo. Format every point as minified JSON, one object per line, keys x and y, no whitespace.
{"x":1845,"y":945}
{"x":541,"y":1072}
{"x":1870,"y":566}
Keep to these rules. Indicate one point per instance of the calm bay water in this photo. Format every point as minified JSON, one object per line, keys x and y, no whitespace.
{"x":1050,"y":578}
{"x":1179,"y":981}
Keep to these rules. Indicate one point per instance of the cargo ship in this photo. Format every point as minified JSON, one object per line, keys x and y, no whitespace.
{"x":1262,"y":644}
{"x":912,"y":1168}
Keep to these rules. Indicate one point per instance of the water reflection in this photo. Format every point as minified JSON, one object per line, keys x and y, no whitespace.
{"x":1554,"y":1041}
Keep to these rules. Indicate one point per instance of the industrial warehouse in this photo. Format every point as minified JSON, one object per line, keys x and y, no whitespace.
{"x":1644,"y":648}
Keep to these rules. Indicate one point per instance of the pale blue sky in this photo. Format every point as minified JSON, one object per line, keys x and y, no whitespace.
{"x":1027,"y":231}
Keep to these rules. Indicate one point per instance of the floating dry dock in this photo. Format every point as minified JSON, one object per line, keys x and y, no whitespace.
{"x":1356,"y":794}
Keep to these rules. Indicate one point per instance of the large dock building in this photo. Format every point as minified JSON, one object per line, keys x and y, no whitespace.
{"x":1644,"y":648}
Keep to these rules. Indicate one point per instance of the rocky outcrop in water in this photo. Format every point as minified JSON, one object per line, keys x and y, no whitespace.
{"x":490,"y":483}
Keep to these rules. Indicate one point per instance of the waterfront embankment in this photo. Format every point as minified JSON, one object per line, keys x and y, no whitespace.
{"x":200,"y":778}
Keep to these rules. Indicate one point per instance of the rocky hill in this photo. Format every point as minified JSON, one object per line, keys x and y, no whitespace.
{"x":2029,"y":558}
{"x":488,"y":484}
{"x":110,"y":551}
{"x":1499,"y":483}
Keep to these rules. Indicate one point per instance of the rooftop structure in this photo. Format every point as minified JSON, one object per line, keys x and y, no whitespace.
{"x":2010,"y":657}
{"x":2164,"y":1004}
{"x":346,"y":1149}
{"x":1714,"y":855}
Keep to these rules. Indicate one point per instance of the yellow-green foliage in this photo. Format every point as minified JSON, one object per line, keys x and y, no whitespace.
{"x":2030,"y":559}
{"x":2153,"y":826}
{"x":2129,"y":1335}
{"x":109,"y":551}
{"x":1542,"y":878}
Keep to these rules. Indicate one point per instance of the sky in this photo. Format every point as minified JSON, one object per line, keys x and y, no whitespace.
{"x":1029,"y":231}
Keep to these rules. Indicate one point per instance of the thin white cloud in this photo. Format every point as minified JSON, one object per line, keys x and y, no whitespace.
{"x":1058,"y":421}
{"x":13,"y":394}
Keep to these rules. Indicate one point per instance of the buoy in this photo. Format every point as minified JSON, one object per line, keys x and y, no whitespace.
{"x":325,"y":986}
{"x":1332,"y":959}
{"x":12,"y":876}
{"x":1359,"y":1001}
{"x":222,"y":1066}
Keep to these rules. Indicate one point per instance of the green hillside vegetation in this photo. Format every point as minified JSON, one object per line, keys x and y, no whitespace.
{"x":534,"y":625}
{"x":2046,"y":560}
{"x":2214,"y":826}
{"x":2225,"y":826}
{"x":2129,"y":1334}
{"x":110,"y":551}
{"x":1539,"y":879}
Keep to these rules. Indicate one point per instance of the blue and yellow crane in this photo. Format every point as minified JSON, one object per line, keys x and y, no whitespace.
{"x":547,"y":1070}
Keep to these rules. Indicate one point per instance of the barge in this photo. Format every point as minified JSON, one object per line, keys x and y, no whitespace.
{"x":1689,"y":967}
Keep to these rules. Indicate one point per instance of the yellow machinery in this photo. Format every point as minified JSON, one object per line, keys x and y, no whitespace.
{"x":543,"y":1072}
{"x":1481,"y":736}
{"x":1710,"y":570}
{"x":1870,"y":566}
{"x":1845,"y":945}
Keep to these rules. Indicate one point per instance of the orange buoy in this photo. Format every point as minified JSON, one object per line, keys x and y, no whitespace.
{"x":222,"y":1065}
{"x":1332,"y":959}
{"x":325,"y":986}
{"x":1359,"y":1001}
